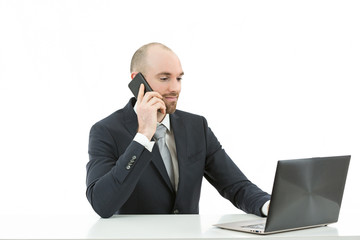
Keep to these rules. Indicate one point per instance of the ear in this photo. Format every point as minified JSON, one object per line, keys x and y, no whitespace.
{"x":133,"y":74}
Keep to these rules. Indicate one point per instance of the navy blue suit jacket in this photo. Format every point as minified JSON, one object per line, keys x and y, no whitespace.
{"x":123,"y":177}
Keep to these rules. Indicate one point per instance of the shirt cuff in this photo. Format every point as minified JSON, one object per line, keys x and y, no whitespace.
{"x":140,"y":138}
{"x":265,"y":208}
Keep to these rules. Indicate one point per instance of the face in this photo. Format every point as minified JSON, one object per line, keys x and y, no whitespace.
{"x":164,"y":73}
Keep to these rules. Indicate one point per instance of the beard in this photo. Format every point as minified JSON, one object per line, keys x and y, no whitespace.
{"x":171,"y":106}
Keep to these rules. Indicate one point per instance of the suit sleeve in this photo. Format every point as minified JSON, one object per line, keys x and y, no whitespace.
{"x":110,"y":179}
{"x":229,"y":180}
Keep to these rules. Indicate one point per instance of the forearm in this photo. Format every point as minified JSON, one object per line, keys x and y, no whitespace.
{"x":229,"y":180}
{"x":233,"y":185}
{"x":251,"y":198}
{"x":110,"y":183}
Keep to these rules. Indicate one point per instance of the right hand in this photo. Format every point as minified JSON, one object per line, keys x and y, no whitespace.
{"x":149,"y":106}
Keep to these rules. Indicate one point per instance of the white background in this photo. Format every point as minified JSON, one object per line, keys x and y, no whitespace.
{"x":275,"y":80}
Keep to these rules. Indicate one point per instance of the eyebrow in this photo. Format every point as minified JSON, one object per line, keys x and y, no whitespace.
{"x":168,"y":74}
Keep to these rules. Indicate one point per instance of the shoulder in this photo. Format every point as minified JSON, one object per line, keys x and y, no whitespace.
{"x":112,"y":118}
{"x":117,"y":118}
{"x":188,"y":116}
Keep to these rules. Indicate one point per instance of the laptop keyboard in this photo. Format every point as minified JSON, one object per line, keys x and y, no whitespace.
{"x":256,"y":226}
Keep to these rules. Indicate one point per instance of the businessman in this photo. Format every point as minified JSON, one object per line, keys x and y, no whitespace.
{"x":150,"y":158}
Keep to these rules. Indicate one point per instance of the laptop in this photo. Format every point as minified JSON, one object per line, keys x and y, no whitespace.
{"x":306,"y":193}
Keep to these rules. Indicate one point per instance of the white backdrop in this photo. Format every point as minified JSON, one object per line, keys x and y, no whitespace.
{"x":275,"y":80}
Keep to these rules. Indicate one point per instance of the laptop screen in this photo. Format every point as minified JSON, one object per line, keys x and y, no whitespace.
{"x":307,"y":192}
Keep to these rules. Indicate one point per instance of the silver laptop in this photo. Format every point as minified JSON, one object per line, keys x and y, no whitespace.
{"x":306,"y":193}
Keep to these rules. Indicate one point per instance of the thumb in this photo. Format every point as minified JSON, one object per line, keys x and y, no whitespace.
{"x":141,"y":93}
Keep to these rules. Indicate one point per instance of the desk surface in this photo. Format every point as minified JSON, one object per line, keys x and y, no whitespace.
{"x":150,"y":227}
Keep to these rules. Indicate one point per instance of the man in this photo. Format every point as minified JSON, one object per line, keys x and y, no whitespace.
{"x":134,"y":171}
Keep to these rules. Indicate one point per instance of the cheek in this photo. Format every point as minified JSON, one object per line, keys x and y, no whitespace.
{"x":155,"y":86}
{"x":161,"y":88}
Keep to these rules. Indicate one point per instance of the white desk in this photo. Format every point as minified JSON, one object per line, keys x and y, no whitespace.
{"x":150,"y":227}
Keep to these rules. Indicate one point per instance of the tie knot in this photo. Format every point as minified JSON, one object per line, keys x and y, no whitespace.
{"x":160,"y":131}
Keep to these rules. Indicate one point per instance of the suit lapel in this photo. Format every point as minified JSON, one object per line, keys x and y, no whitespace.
{"x":178,"y":128}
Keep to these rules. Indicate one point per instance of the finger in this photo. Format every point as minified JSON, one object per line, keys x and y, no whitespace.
{"x":149,"y":95}
{"x":154,"y":100}
{"x":160,"y":107}
{"x":163,"y":109}
{"x":141,"y":93}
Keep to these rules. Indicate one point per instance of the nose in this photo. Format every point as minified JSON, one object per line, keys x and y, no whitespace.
{"x":174,"y":85}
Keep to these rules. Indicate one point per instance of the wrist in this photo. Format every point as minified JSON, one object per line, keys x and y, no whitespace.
{"x":146,"y":133}
{"x":143,"y":140}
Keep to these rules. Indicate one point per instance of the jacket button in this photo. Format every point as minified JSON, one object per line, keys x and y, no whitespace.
{"x":128,"y":167}
{"x":133,"y":157}
{"x":176,"y":211}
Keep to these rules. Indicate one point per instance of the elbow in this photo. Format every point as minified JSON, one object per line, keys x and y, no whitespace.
{"x":98,"y":206}
{"x":102,"y":210}
{"x":104,"y":214}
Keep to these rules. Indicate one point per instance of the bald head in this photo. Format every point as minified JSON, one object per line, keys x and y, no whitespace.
{"x":162,"y":70}
{"x":139,"y":61}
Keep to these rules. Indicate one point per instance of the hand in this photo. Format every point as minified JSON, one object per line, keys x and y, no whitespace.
{"x":150,"y":108}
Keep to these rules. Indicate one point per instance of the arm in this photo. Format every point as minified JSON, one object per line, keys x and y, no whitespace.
{"x":228,"y":179}
{"x":112,"y":175}
{"x":111,"y":179}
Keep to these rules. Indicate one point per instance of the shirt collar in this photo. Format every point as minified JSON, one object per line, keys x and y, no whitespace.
{"x":165,"y":121}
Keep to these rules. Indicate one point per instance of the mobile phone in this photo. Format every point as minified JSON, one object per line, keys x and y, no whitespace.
{"x":135,"y":83}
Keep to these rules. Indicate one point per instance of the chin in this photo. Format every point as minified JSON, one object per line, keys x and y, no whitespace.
{"x":171,"y":108}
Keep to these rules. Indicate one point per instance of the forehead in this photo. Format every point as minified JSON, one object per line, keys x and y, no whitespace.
{"x":162,"y":60}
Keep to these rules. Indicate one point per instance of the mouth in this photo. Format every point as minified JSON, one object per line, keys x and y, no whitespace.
{"x":171,"y":98}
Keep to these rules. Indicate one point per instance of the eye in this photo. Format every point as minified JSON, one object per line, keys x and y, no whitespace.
{"x":179,"y":78}
{"x":164,"y":78}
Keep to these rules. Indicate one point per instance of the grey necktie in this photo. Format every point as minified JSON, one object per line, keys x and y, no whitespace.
{"x":164,"y":151}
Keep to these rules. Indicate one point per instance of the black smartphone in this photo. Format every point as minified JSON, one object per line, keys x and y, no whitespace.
{"x":135,"y":83}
